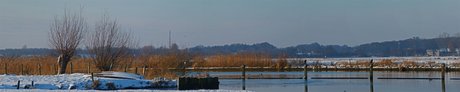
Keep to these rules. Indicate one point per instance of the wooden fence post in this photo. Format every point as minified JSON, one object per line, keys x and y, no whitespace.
{"x":443,"y":85}
{"x":125,"y":69}
{"x":39,"y":70}
{"x":135,"y":72}
{"x":18,"y":84}
{"x":92,"y":77}
{"x":305,"y":73}
{"x":244,"y":85}
{"x":6,"y":69}
{"x":371,"y":67}
{"x":22,"y":69}
{"x":143,"y":71}
{"x":372,"y":85}
{"x":443,"y":71}
{"x":89,"y":68}
{"x":244,"y":71}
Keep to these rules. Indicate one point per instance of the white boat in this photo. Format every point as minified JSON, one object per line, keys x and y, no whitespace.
{"x":117,"y":75}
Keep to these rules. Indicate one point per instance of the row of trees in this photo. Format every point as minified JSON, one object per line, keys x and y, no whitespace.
{"x":106,"y":43}
{"x":409,"y":47}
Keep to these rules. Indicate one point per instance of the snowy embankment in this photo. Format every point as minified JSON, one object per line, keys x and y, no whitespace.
{"x":444,"y":59}
{"x":141,"y":90}
{"x":77,"y":81}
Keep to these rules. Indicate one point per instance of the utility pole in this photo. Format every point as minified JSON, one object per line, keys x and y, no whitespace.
{"x":169,"y":38}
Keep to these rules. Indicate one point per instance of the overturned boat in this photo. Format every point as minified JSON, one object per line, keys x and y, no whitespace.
{"x":117,"y":75}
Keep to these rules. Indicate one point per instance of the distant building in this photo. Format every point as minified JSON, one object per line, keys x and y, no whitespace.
{"x":458,"y":51}
{"x":429,"y":52}
{"x":442,"y":52}
{"x":438,"y":53}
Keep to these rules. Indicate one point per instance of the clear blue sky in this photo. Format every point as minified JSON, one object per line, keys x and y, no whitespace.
{"x":218,"y":22}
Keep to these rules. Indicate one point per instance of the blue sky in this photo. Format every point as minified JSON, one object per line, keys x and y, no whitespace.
{"x":218,"y":22}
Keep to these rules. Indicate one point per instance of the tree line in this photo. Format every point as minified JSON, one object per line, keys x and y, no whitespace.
{"x":414,"y":46}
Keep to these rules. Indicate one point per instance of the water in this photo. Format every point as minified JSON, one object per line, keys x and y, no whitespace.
{"x":341,"y":85}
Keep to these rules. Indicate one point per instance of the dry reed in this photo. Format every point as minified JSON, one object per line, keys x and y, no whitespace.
{"x":236,"y":60}
{"x":169,"y":65}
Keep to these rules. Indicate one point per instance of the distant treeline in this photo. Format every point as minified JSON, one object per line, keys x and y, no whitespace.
{"x":409,"y":47}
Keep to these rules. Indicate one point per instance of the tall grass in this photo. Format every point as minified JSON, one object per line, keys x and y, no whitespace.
{"x":234,"y":60}
{"x":48,"y":64}
{"x":164,"y":65}
{"x":170,"y":65}
{"x":30,"y":65}
{"x":385,"y":62}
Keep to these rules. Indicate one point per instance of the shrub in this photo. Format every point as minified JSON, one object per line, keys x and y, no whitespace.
{"x":110,"y":85}
{"x":86,"y":85}
{"x":96,"y":84}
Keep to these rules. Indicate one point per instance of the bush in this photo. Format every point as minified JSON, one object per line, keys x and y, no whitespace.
{"x":110,"y":85}
{"x":86,"y":85}
{"x":96,"y":84}
{"x":159,"y":84}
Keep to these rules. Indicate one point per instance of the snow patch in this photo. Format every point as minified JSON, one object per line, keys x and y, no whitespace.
{"x":75,"y":81}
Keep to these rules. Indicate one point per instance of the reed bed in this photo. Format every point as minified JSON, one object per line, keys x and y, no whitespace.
{"x":30,"y":65}
{"x":172,"y":65}
{"x":164,"y":65}
{"x":236,"y":60}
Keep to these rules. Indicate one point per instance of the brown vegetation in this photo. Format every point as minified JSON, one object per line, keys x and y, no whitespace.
{"x":457,"y":64}
{"x":236,"y":60}
{"x":48,"y":65}
{"x":385,"y":63}
{"x":163,"y":65}
{"x":410,"y":63}
{"x":170,"y":64}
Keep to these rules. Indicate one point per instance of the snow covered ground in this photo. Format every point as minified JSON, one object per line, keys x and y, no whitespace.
{"x":70,"y":81}
{"x":144,"y":90}
{"x":444,"y":59}
{"x":77,"y":82}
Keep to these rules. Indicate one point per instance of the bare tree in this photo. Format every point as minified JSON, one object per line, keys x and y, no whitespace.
{"x":443,"y":40}
{"x":109,"y":43}
{"x":444,"y":35}
{"x":66,"y":34}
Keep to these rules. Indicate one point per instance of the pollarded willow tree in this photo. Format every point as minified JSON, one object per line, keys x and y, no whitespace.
{"x":109,"y":43}
{"x":66,"y":34}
